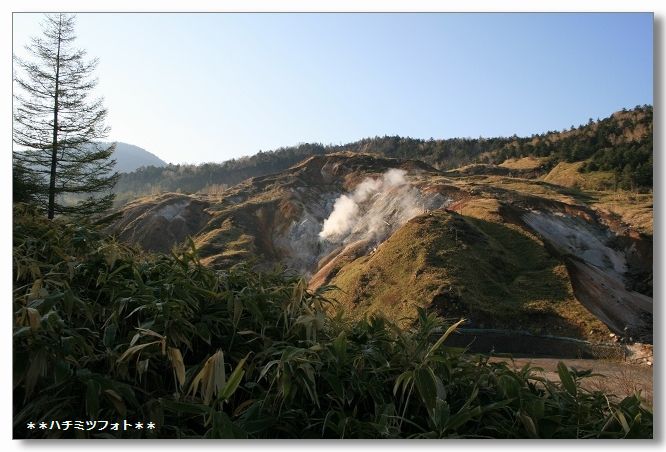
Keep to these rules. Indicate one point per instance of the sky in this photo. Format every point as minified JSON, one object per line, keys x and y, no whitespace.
{"x":207,"y":87}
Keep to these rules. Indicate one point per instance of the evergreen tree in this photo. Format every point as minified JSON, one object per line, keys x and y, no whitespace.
{"x":57,"y":123}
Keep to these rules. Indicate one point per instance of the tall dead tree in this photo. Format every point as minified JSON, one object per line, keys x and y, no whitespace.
{"x":57,"y":124}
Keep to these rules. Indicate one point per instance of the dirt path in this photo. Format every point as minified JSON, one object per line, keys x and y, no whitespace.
{"x":619,"y":378}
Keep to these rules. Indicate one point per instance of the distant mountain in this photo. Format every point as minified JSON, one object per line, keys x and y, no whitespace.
{"x":130,"y":158}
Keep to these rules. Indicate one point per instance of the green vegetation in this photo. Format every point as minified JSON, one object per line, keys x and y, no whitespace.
{"x":102,"y":331}
{"x":483,"y":269}
{"x":211,"y":177}
{"x":621,"y":144}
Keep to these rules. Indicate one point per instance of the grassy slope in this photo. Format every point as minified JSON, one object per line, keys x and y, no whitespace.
{"x":568,"y":175}
{"x":226,"y":244}
{"x":634,"y":209}
{"x":524,"y":163}
{"x":488,"y":272}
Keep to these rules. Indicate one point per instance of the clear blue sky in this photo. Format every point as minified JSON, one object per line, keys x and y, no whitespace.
{"x":208,"y":87}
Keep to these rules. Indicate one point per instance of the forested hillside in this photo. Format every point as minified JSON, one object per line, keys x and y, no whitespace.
{"x":212,"y":177}
{"x":620,"y":144}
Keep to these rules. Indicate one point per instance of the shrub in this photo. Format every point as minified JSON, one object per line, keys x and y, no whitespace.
{"x":103,"y":331}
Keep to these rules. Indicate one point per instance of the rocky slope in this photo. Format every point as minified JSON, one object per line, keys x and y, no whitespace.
{"x":503,"y":251}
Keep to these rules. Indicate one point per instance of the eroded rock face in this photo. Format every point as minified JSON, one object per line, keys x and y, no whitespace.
{"x":574,"y":236}
{"x":160,"y":223}
{"x":598,"y":271}
{"x":627,"y":313}
{"x":299,"y":240}
{"x":281,"y":215}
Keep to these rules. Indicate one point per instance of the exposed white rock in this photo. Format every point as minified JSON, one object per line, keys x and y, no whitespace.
{"x":571,"y":235}
{"x":170,"y":211}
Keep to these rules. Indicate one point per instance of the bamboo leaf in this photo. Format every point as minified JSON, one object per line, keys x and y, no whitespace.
{"x":427,"y":388}
{"x":210,"y":379}
{"x":117,"y":401}
{"x":110,"y":335}
{"x":566,"y":379}
{"x":177,"y":363}
{"x":36,"y":289}
{"x":233,"y":382}
{"x":184,"y":407}
{"x":147,"y":332}
{"x":441,"y":340}
{"x":132,"y":350}
{"x":403,"y":380}
{"x":34,"y":319}
{"x":623,"y":421}
{"x":529,"y":425}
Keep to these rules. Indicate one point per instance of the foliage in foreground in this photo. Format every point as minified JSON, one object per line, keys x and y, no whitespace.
{"x":104,"y":333}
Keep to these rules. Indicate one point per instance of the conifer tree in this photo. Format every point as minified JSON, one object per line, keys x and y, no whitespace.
{"x":57,"y":124}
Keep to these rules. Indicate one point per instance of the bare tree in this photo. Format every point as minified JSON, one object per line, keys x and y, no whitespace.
{"x":56,"y":123}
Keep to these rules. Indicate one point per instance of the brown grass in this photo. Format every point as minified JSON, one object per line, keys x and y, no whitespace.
{"x":618,"y":378}
{"x":567,"y":175}
{"x":633,"y":208}
{"x":525,"y":163}
{"x":625,"y":381}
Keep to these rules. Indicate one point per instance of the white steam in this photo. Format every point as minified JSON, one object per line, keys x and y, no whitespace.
{"x":345,"y":212}
{"x":374,"y":209}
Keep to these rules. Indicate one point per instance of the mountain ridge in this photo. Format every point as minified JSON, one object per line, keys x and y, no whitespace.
{"x":619,"y":145}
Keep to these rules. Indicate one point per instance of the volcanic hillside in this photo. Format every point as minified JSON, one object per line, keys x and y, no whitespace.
{"x":391,"y":235}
